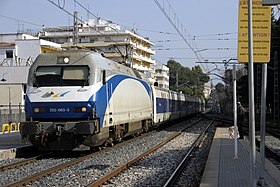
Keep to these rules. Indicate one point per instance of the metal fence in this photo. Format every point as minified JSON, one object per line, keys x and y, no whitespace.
{"x":11,"y":114}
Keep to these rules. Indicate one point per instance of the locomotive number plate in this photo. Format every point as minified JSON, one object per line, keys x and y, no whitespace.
{"x":59,"y":110}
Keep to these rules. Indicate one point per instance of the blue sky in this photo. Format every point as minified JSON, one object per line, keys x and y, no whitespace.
{"x":213,"y":24}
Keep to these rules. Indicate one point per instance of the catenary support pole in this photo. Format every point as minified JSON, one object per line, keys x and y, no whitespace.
{"x":263,"y":119}
{"x":235,"y":112}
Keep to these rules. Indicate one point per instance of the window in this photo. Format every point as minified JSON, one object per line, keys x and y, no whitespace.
{"x":9,"y":54}
{"x":92,"y":40}
{"x":61,"y":76}
{"x":108,"y":39}
{"x":158,"y":71}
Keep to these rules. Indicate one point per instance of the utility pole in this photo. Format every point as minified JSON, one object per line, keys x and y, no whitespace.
{"x":226,"y":63}
{"x":235,"y":112}
{"x":75,"y":28}
{"x":177,"y":76}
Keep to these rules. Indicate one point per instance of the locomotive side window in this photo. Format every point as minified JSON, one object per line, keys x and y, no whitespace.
{"x":61,"y":76}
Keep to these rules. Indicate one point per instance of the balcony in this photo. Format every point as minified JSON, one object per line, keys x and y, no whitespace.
{"x":143,"y":58}
{"x":143,"y":48}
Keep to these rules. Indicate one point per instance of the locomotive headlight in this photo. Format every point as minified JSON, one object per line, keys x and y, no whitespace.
{"x":66,"y":60}
{"x":63,"y":60}
{"x":84,"y":109}
{"x":38,"y":109}
{"x":81,"y":109}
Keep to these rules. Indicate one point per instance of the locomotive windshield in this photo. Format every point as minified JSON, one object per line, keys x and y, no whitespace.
{"x":61,"y":76}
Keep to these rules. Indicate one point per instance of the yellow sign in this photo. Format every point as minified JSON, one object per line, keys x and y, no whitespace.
{"x":261,"y":31}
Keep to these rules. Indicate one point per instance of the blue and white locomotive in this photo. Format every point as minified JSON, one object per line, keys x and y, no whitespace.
{"x":77,"y":99}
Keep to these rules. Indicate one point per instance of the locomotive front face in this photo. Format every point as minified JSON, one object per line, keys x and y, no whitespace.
{"x":60,"y":92}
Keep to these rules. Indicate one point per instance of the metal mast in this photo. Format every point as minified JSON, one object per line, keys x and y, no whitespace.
{"x":276,"y":87}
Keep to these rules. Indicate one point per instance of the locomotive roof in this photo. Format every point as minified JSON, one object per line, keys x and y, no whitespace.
{"x":90,"y":58}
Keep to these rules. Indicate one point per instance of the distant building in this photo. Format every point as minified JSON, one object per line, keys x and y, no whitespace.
{"x":161,"y":75}
{"x":104,"y":36}
{"x":21,"y":49}
{"x":207,"y":91}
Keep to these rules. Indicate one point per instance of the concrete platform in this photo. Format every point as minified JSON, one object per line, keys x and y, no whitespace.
{"x":223,"y":170}
{"x":11,"y":146}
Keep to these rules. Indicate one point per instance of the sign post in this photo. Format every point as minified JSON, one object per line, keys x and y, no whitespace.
{"x":235,"y":112}
{"x":254,"y":29}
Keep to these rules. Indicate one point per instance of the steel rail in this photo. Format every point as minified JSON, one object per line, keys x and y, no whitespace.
{"x":130,"y":163}
{"x":170,"y":182}
{"x":49,"y":171}
{"x":54,"y":169}
{"x":21,"y":163}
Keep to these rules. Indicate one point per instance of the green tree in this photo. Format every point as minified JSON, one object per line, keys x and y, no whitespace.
{"x":186,"y":80}
{"x":221,"y":96}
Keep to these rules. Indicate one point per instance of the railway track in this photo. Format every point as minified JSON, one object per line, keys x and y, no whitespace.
{"x":63,"y":165}
{"x":131,"y":162}
{"x":39,"y":177}
{"x":178,"y":171}
{"x":147,"y":165}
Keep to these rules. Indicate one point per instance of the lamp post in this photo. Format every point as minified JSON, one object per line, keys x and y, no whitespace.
{"x":9,"y":89}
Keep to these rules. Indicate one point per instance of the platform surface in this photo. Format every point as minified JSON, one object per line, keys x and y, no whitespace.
{"x":224,"y":170}
{"x":11,"y":145}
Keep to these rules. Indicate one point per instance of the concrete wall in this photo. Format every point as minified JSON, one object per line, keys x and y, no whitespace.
{"x":16,"y":93}
{"x":28,"y":49}
{"x":17,"y":102}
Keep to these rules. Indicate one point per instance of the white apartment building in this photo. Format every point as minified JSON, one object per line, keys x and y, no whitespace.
{"x":104,"y":36}
{"x":161,"y":75}
{"x":21,"y":49}
{"x":207,"y":91}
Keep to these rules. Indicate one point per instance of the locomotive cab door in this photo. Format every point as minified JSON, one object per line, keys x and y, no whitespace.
{"x":154,"y":103}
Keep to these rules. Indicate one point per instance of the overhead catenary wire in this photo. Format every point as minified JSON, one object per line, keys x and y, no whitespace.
{"x":217,"y":34}
{"x":28,"y":22}
{"x":190,"y":58}
{"x":175,"y":26}
{"x":218,"y":39}
{"x":89,"y":12}
{"x":69,"y":13}
{"x":170,"y":13}
{"x":162,"y":32}
{"x":199,"y":50}
{"x":204,"y":49}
